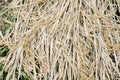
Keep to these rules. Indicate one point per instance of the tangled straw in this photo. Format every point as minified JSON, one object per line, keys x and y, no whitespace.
{"x":62,"y":39}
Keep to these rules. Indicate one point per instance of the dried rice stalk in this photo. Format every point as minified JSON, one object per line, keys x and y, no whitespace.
{"x":62,"y":40}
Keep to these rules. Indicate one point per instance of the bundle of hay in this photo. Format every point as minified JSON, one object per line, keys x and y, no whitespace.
{"x":60,"y":39}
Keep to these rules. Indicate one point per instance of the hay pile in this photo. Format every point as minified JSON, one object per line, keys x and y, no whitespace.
{"x":60,"y":39}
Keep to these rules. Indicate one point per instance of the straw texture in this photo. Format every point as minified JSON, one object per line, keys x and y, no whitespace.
{"x":61,"y":39}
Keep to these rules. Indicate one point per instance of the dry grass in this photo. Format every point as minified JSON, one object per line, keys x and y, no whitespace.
{"x":61,"y":39}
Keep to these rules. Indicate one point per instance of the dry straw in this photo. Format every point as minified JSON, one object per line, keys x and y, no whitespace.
{"x":62,"y":39}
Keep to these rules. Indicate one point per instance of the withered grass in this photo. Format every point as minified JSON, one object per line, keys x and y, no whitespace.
{"x":62,"y":40}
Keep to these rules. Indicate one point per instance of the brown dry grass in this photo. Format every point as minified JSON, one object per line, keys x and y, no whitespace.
{"x":62,"y":39}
